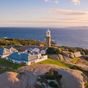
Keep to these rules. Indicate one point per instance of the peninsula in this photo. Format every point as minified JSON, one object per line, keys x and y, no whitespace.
{"x":16,"y":54}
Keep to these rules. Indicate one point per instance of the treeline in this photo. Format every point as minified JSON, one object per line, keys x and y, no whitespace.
{"x":19,"y":42}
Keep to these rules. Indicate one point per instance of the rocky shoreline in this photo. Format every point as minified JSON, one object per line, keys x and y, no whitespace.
{"x":25,"y":77}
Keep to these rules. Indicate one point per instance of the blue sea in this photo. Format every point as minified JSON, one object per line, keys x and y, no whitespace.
{"x":75,"y":37}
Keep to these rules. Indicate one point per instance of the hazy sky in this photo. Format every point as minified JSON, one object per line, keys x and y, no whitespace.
{"x":51,"y":13}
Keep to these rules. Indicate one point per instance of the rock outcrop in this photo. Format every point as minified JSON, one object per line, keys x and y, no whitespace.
{"x":25,"y":77}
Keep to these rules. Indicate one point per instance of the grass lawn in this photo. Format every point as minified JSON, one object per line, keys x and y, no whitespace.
{"x":54,"y":62}
{"x":75,"y":60}
{"x":8,"y":66}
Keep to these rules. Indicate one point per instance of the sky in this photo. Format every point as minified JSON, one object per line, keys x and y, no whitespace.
{"x":43,"y":13}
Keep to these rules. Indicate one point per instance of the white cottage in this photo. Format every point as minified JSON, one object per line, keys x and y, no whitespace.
{"x":28,"y":56}
{"x":5,"y":52}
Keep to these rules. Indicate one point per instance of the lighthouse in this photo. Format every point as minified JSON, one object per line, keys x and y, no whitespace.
{"x":48,"y":38}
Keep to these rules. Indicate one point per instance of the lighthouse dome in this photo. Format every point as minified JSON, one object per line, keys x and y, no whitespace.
{"x":48,"y":33}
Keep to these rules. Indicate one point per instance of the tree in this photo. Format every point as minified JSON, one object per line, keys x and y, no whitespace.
{"x":52,"y":50}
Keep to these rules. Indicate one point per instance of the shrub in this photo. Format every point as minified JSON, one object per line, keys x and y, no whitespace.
{"x":52,"y":50}
{"x":53,"y":84}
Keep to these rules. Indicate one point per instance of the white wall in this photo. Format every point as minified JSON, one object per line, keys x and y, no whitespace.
{"x":45,"y":57}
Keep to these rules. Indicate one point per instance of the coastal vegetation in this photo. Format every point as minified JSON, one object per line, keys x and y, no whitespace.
{"x":52,"y":50}
{"x":54,"y":62}
{"x":19,"y":42}
{"x":8,"y":66}
{"x":86,"y":85}
{"x":75,"y":60}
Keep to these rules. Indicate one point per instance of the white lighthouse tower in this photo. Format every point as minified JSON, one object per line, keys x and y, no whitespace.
{"x":48,"y":38}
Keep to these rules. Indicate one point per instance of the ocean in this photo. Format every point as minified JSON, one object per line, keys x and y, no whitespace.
{"x":74,"y":37}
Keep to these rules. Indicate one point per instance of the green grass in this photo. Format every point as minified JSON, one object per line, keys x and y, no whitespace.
{"x":75,"y":60}
{"x":63,"y":64}
{"x":86,"y":85}
{"x":8,"y":66}
{"x":54,"y":62}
